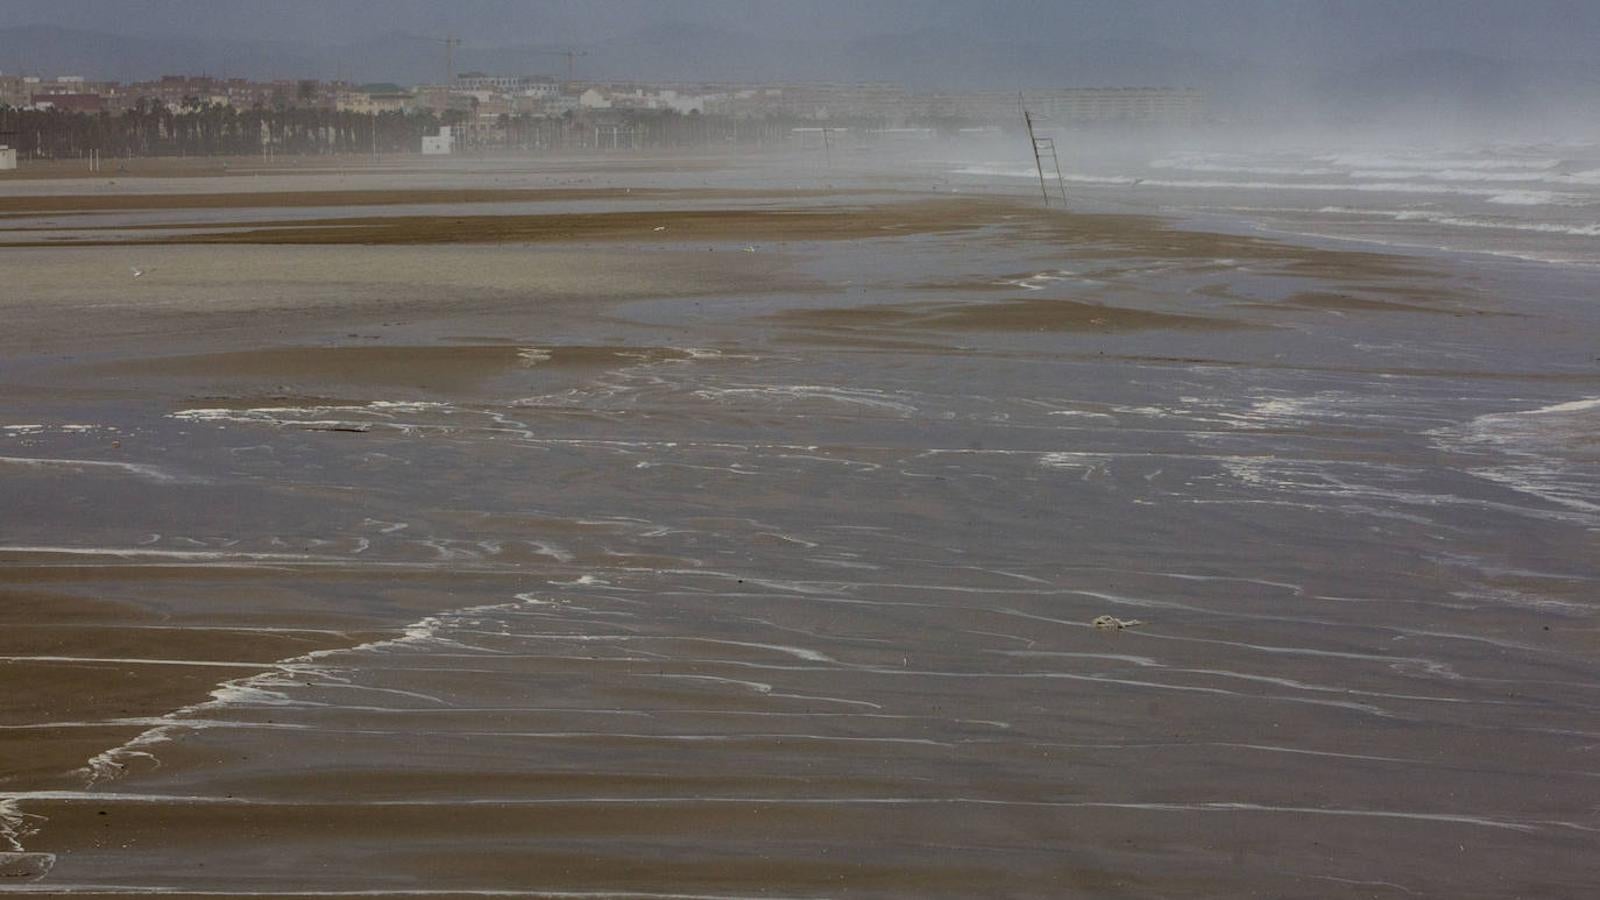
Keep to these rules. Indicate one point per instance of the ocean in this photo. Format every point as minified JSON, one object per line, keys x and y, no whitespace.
{"x":1525,"y":201}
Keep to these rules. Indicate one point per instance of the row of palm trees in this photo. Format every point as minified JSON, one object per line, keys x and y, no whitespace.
{"x":150,"y":128}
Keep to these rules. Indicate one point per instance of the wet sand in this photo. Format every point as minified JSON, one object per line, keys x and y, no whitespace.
{"x":665,"y":225}
{"x":529,"y":554}
{"x":81,"y":203}
{"x":245,"y":167}
{"x":1013,"y":315}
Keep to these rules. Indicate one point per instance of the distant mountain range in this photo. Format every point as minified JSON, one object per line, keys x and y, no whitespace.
{"x":924,"y":59}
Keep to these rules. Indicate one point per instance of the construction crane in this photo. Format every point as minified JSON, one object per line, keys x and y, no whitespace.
{"x":450,"y":44}
{"x":571,"y":55}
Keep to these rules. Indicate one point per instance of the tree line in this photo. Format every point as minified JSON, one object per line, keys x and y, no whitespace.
{"x":150,"y":128}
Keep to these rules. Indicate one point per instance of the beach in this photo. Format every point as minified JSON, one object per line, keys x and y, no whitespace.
{"x":719,"y":528}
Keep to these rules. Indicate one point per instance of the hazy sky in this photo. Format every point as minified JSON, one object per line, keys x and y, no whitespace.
{"x":1328,"y":59}
{"x":1513,"y":28}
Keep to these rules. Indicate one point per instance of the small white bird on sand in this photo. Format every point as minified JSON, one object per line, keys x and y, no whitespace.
{"x":137,"y":271}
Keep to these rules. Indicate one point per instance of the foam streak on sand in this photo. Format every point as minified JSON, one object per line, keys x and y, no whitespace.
{"x":1435,"y":218}
{"x":1217,"y":807}
{"x":263,"y":689}
{"x":152,"y":473}
{"x":148,"y":553}
{"x":1568,"y":407}
{"x":132,"y":661}
{"x":1492,"y":195}
{"x":1539,"y":452}
{"x":15,"y":825}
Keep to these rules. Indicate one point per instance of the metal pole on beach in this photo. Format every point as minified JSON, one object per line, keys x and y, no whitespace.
{"x":1038,"y":163}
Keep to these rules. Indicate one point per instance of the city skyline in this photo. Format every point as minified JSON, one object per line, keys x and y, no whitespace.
{"x":1488,"y":55}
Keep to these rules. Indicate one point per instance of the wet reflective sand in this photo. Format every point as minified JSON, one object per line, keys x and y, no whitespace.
{"x":572,"y":557}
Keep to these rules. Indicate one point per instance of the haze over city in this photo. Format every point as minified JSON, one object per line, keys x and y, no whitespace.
{"x":1486,"y":58}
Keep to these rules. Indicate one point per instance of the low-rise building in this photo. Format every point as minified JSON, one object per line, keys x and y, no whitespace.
{"x":440,"y":144}
{"x":177,"y":92}
{"x":14,"y":92}
{"x":440,"y":99}
{"x":371,"y":99}
{"x":561,"y":104}
{"x":72,"y":103}
{"x":478,"y":81}
{"x":539,"y":86}
{"x":506,"y":84}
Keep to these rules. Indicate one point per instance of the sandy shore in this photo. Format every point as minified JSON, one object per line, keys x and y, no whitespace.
{"x":750,"y":543}
{"x":666,"y":225}
{"x":82,"y":662}
{"x":239,"y":167}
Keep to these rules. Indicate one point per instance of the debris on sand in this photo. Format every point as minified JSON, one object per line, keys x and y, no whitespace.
{"x":21,"y":867}
{"x":1112,"y":623}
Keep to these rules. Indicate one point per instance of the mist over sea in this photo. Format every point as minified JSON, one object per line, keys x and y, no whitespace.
{"x":1533,"y":201}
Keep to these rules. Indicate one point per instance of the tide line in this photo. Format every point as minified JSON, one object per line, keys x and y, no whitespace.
{"x":1504,"y":824}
